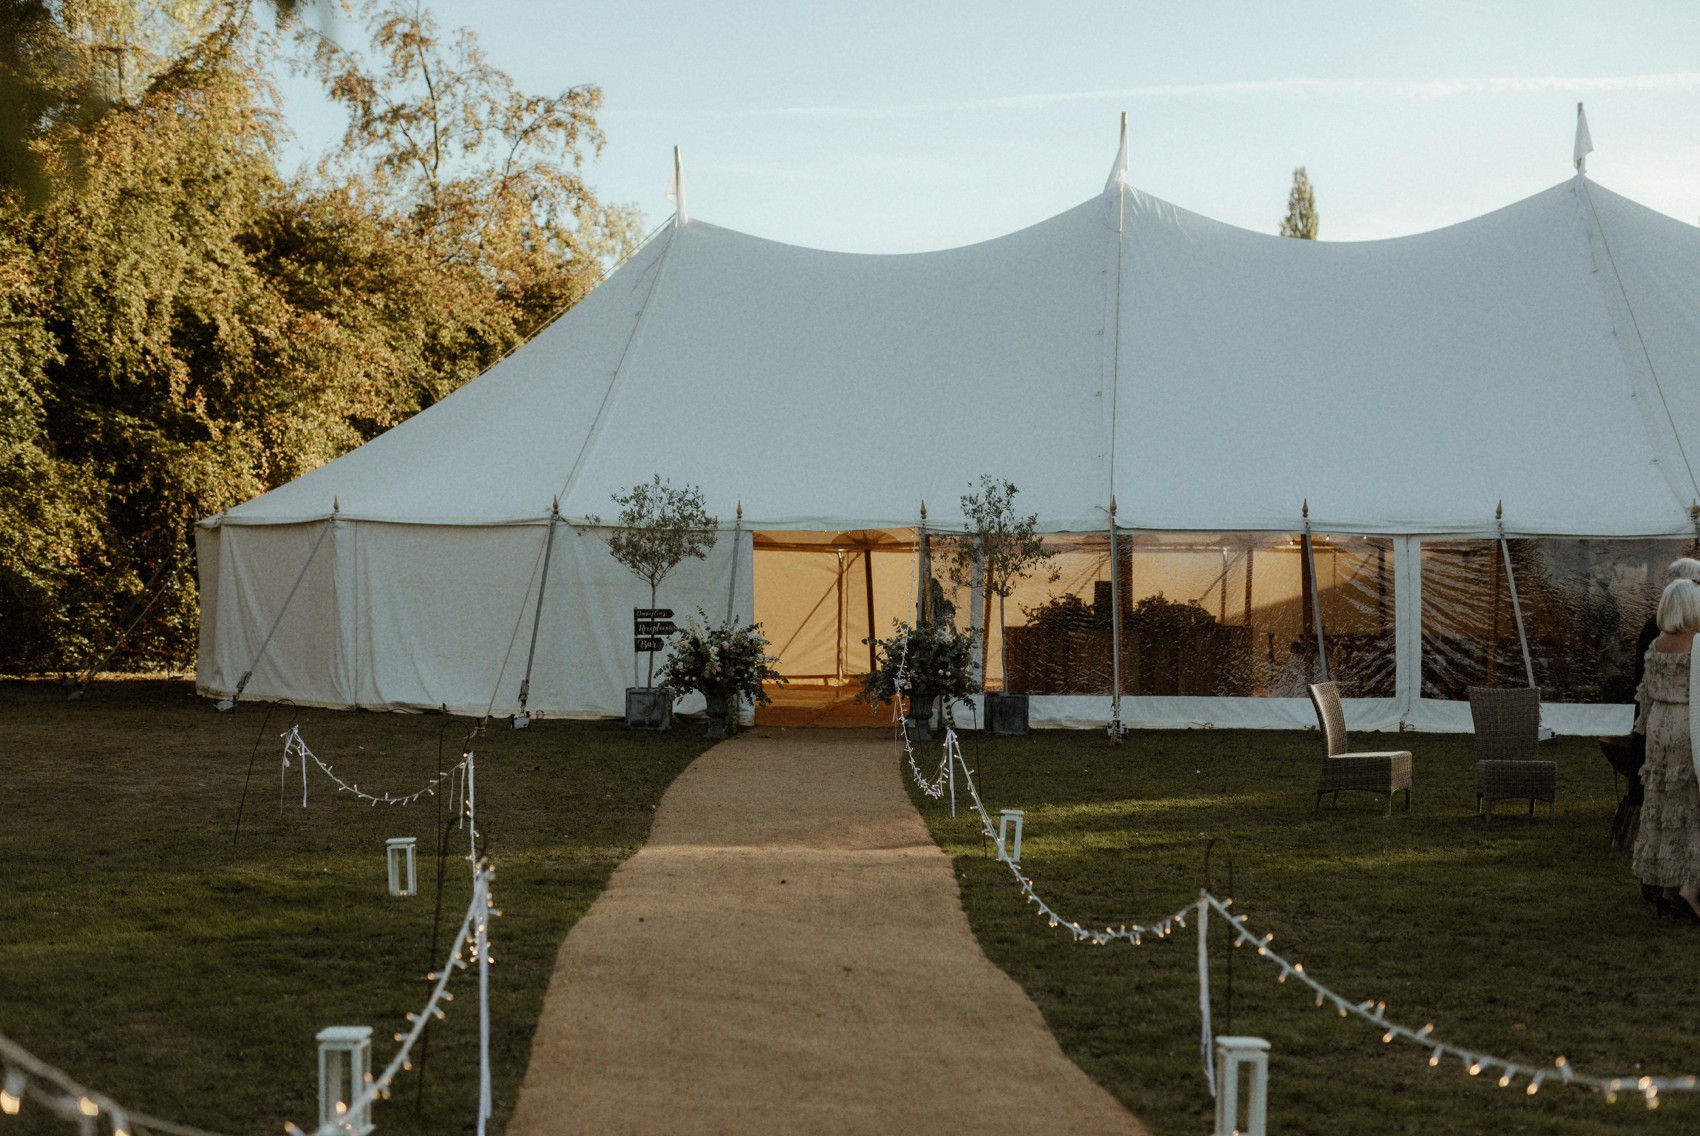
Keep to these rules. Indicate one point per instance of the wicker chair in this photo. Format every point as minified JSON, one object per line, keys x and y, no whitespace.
{"x":1384,"y":773}
{"x":1508,"y":724}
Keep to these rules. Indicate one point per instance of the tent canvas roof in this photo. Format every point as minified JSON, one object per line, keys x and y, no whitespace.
{"x":1546,"y":355}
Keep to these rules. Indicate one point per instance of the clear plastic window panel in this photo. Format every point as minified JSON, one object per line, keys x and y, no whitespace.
{"x":1201,"y":614}
{"x":1583,"y":603}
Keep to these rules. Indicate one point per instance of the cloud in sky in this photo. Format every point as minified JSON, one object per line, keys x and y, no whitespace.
{"x":1419,"y":89}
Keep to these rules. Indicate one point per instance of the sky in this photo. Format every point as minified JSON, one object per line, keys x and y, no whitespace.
{"x":910,"y":125}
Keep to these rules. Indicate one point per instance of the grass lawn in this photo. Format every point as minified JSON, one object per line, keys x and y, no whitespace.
{"x":155,"y":957}
{"x":1522,"y":939}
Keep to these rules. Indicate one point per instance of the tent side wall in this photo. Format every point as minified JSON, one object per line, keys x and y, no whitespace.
{"x":422,"y":617}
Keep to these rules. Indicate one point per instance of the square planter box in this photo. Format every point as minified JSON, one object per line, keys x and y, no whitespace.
{"x":648,"y":709}
{"x":1006,"y":714}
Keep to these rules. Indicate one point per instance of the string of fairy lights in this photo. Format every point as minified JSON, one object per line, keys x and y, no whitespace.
{"x":28,"y":1077}
{"x":293,"y":744}
{"x":475,"y":926}
{"x":24,"y":1076}
{"x":1475,"y":1063}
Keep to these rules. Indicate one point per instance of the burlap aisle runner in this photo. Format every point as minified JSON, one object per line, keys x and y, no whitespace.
{"x":788,"y":954}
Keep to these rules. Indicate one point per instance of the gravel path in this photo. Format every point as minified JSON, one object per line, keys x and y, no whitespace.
{"x":788,"y":954}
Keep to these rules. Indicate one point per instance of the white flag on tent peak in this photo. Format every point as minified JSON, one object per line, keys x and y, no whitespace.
{"x":1117,"y":179}
{"x":1584,"y":143}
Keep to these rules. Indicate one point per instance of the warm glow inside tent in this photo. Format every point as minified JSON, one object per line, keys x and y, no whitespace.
{"x":1531,"y":375}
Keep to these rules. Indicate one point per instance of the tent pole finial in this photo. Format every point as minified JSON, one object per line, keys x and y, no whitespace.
{"x":676,"y":187}
{"x":923,"y":509}
{"x":1304,"y":510}
{"x":1584,"y":143}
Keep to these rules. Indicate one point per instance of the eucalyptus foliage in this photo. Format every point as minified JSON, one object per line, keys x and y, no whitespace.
{"x":922,"y":661}
{"x":729,"y":658}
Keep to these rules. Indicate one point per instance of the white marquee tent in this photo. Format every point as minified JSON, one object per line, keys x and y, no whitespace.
{"x":1545,"y":357}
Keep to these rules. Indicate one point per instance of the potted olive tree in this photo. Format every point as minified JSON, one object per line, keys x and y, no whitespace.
{"x":997,"y":550}
{"x":660,"y":525}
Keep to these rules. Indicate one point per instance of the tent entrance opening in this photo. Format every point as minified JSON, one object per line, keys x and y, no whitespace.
{"x":819,"y":596}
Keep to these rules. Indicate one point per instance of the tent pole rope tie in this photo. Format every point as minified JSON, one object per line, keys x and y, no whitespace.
{"x":1641,"y":340}
{"x":242,"y":683}
{"x":519,"y":621}
{"x":620,"y":365}
{"x":1372,"y":1011}
{"x":537,"y":618}
{"x":737,"y":549}
{"x":1516,"y":605}
{"x":155,"y":590}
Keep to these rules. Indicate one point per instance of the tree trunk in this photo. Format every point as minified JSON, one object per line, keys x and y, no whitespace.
{"x":649,"y":677}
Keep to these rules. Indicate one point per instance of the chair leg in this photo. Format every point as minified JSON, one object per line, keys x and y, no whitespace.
{"x":1316,"y":808}
{"x":1478,"y":804}
{"x":1335,"y":803}
{"x":1389,"y":810}
{"x":1531,"y":807}
{"x":1407,"y":800}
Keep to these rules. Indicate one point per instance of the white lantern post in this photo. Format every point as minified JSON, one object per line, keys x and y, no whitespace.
{"x":404,"y":869}
{"x":344,"y":1056}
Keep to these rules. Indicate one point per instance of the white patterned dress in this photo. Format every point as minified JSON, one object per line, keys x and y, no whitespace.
{"x":1667,"y":847}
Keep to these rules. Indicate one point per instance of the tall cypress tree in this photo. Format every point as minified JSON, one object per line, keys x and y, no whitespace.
{"x":1301,"y":220}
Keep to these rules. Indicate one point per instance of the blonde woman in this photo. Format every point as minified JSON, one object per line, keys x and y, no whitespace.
{"x":1667,"y":848}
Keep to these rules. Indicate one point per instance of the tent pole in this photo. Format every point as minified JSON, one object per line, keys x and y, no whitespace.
{"x":1516,"y":605}
{"x":868,"y":579}
{"x":537,"y":617}
{"x":737,"y":547}
{"x":1315,"y":598}
{"x":1250,"y":553}
{"x":1120,"y":179}
{"x":1115,"y":632}
{"x":242,"y":683}
{"x":923,"y":573}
